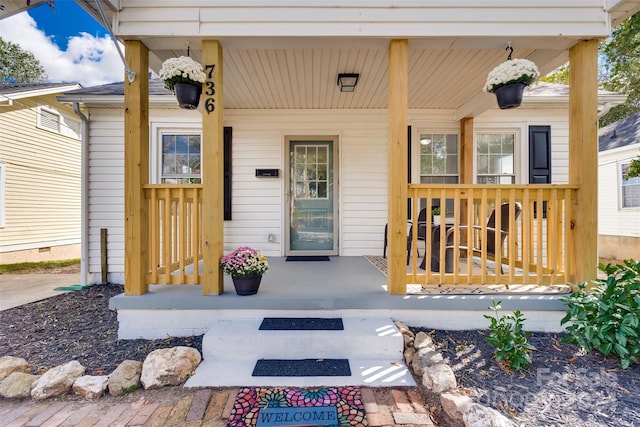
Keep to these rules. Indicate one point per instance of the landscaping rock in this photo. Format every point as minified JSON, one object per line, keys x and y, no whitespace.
{"x":125,"y":378}
{"x":482,"y":416}
{"x":455,"y":405}
{"x":169,"y":366}
{"x":438,"y":378}
{"x":57,"y":381}
{"x":10,"y":364}
{"x":404,"y":329}
{"x":91,"y":387}
{"x":408,"y":341}
{"x":408,"y":355}
{"x":17,"y":385}
{"x":422,"y":340}
{"x":425,"y":357}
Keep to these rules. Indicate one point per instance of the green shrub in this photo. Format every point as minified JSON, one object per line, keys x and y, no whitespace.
{"x":606,"y":317}
{"x":509,"y":339}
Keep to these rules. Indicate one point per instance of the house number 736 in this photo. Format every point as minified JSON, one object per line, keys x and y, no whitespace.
{"x":210,"y":90}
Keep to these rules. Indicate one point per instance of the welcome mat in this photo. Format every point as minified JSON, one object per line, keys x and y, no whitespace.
{"x":302,"y":368}
{"x":301,"y":324}
{"x":307,"y":258}
{"x":248,"y":408}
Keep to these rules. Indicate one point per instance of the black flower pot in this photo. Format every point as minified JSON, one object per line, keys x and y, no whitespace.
{"x":247,"y":285}
{"x":188,"y":95}
{"x":510,"y":95}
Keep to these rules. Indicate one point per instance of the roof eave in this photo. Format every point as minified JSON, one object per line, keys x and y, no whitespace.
{"x":40,"y":92}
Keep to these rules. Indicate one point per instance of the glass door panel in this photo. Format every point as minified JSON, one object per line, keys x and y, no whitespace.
{"x":311,"y":222}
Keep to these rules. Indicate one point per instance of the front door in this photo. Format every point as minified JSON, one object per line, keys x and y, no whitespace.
{"x":312,"y":220}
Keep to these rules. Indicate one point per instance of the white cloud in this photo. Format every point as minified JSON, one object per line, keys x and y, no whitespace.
{"x":88,"y":60}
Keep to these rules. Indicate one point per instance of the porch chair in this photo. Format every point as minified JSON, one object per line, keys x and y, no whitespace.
{"x":477,"y":251}
{"x":422,"y":232}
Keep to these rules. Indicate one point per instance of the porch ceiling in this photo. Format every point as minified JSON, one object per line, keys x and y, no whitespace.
{"x":446,"y":73}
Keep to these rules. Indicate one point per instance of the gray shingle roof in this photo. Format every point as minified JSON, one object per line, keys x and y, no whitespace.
{"x":156,"y":87}
{"x":7,"y":89}
{"x":620,"y":134}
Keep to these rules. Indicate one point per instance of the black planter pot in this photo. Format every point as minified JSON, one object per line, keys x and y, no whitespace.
{"x":188,"y":95}
{"x":510,"y":96}
{"x":246,"y":285}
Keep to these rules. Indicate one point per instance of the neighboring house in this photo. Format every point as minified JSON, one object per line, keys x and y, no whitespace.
{"x":619,"y":195}
{"x":40,"y":176}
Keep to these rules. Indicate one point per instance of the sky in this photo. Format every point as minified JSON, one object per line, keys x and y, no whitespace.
{"x":70,"y":45}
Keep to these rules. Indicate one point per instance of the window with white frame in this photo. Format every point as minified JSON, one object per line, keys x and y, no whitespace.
{"x":438,"y":158}
{"x":180,"y":158}
{"x":630,"y":187}
{"x":496,"y":158}
{"x":3,"y":192}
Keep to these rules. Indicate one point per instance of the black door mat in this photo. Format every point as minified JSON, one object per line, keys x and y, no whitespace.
{"x":307,"y":258}
{"x":301,"y":324}
{"x":302,"y":368}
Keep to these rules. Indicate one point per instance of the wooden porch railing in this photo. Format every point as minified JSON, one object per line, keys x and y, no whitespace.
{"x":175,"y":233}
{"x":532,"y":252}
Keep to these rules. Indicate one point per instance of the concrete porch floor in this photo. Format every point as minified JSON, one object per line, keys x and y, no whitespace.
{"x":349,"y":285}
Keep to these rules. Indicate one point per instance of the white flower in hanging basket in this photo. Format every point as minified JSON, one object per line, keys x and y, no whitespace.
{"x":181,"y":70}
{"x":511,"y":71}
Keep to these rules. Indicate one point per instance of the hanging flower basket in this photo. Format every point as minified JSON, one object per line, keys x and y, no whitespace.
{"x":510,"y":95}
{"x":188,"y":95}
{"x":184,"y":77}
{"x":509,"y":79}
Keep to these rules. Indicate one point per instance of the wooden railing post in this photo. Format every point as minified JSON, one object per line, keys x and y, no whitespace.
{"x":397,"y":161}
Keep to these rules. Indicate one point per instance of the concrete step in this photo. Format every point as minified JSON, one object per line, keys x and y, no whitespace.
{"x":364,"y":372}
{"x":232,"y":347}
{"x":234,"y":339}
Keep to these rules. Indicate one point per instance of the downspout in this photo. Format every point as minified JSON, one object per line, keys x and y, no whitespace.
{"x":84,"y":195}
{"x":605,"y":109}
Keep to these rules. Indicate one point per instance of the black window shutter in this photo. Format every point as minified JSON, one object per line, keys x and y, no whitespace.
{"x":540,"y":160}
{"x":539,"y":154}
{"x":227,"y":172}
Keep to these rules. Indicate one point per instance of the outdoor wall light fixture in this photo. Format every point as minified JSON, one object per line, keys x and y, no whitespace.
{"x":347,"y":82}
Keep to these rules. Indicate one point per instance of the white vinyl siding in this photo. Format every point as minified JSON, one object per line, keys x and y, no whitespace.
{"x":42,"y":180}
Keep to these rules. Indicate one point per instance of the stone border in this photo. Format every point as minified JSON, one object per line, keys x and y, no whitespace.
{"x":437,"y":380}
{"x":166,"y":366}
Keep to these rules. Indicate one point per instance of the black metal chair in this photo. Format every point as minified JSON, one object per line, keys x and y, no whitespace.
{"x":476,"y":250}
{"x":421,"y":223}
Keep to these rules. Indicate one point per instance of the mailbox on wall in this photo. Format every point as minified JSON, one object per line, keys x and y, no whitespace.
{"x":267,"y":173}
